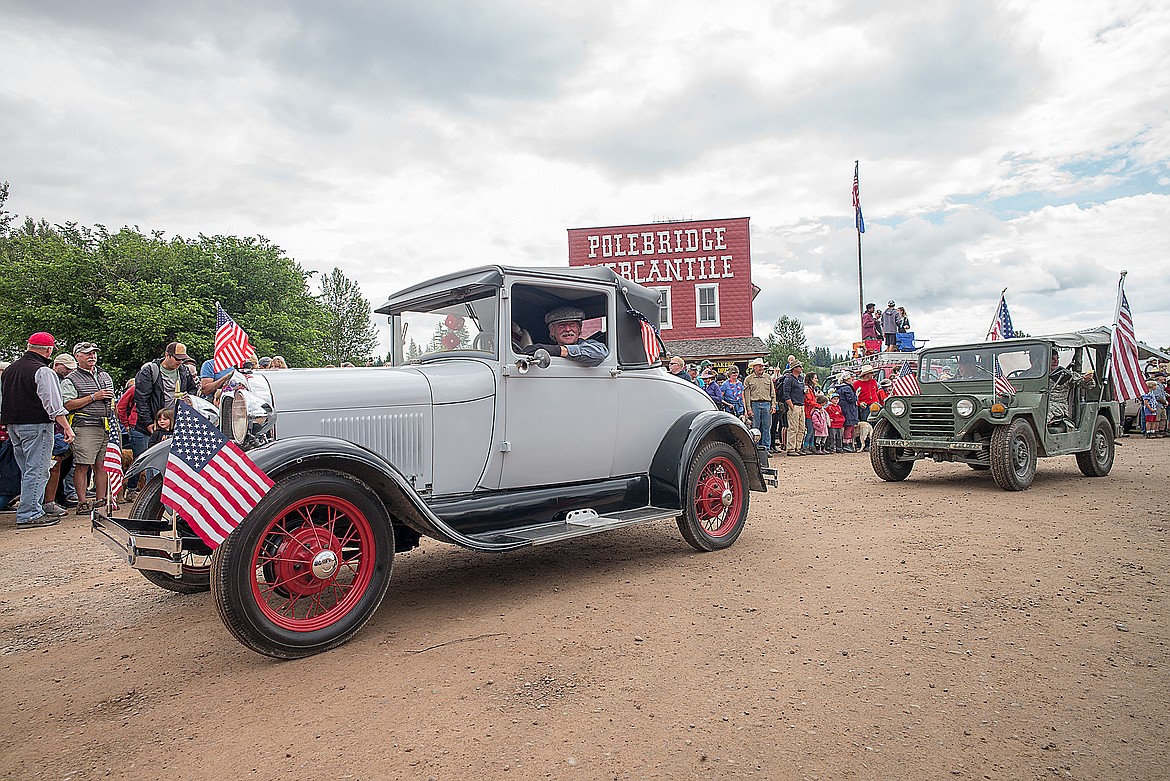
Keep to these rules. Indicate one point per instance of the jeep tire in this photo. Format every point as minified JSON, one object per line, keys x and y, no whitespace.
{"x":885,"y":459}
{"x":1098,"y":459}
{"x":1013,"y":455}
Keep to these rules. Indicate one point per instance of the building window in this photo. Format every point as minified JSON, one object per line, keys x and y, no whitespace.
{"x":664,"y":308}
{"x":707,"y":306}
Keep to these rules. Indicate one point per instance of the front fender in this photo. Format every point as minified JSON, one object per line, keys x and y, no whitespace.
{"x":154,"y":457}
{"x":668,"y":470}
{"x":393,"y":488}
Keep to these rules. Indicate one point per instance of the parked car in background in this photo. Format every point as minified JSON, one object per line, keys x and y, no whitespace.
{"x":466,"y":439}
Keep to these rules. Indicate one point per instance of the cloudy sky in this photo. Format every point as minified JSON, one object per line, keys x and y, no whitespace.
{"x":1002,"y":144}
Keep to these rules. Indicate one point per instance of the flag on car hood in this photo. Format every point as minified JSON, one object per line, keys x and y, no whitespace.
{"x":209,"y":481}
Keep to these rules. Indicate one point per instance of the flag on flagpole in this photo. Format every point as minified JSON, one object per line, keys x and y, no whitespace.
{"x":650,"y":338}
{"x":860,"y":220}
{"x":1000,"y":385}
{"x":232,"y":347}
{"x":209,"y":481}
{"x":1128,"y":380}
{"x":1001,"y":327}
{"x":112,"y":461}
{"x":906,"y":383}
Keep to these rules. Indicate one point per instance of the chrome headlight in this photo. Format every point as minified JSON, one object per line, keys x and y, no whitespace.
{"x":965,"y":407}
{"x":238,"y":421}
{"x":756,"y":435}
{"x":897,"y":408}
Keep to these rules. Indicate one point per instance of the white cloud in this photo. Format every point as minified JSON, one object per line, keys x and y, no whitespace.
{"x":1017,"y":144}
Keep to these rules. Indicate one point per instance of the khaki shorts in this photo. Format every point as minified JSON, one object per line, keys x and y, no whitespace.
{"x":89,"y":444}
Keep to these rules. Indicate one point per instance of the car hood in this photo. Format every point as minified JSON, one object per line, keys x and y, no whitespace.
{"x":296,"y":390}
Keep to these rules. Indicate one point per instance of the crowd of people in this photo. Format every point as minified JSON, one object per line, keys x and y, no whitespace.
{"x":795,"y":413}
{"x":58,"y":414}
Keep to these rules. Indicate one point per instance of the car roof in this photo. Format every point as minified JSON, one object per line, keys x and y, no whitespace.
{"x":471,"y":280}
{"x":1090,"y":337}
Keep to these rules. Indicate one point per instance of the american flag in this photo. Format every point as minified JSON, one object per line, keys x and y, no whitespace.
{"x":1001,"y":327}
{"x":112,"y":462}
{"x":1128,"y":380}
{"x":231,"y":342}
{"x":650,"y":338}
{"x":906,"y":383}
{"x":1000,"y":385}
{"x":857,"y":199}
{"x":209,"y":481}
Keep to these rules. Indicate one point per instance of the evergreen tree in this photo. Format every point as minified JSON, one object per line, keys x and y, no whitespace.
{"x":349,"y":334}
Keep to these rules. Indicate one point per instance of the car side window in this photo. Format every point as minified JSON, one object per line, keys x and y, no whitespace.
{"x":531,"y":304}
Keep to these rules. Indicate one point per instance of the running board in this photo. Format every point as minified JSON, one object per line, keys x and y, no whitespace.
{"x":577,"y":523}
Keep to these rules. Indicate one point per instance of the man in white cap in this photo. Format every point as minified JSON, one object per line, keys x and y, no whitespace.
{"x":564,"y":329}
{"x":30,"y":405}
{"x":88,"y":393}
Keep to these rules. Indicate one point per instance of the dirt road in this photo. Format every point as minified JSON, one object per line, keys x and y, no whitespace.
{"x":936,"y":628}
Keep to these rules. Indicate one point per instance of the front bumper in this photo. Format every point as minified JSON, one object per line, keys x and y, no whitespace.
{"x":141,"y":544}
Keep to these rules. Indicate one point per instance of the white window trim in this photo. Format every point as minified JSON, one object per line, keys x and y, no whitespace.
{"x":699,"y":307}
{"x":669,"y":322}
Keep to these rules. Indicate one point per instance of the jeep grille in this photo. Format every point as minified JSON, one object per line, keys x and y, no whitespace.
{"x":932,"y":420}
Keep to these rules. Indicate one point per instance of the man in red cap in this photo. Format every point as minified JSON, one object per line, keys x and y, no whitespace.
{"x":29,"y":404}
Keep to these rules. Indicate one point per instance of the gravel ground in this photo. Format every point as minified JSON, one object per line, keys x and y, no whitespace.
{"x":935,"y":628}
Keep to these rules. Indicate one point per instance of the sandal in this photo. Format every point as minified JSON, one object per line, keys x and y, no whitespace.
{"x":83,"y":508}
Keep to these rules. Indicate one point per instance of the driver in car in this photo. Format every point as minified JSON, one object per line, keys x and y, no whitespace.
{"x":564,"y":329}
{"x":1062,"y":379}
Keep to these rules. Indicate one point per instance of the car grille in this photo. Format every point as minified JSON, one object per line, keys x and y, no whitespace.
{"x":932,"y":419}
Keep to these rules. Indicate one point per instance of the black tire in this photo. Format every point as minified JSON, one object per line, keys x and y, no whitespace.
{"x":1013,"y":455}
{"x":196,"y":577}
{"x":716,"y":498}
{"x":321,"y":537}
{"x":884,"y":460}
{"x":1098,"y":459}
{"x":979,"y":467}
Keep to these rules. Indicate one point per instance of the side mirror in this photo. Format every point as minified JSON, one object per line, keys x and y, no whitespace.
{"x":540,"y":359}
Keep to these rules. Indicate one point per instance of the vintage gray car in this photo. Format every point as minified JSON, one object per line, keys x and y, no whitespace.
{"x":466,"y":439}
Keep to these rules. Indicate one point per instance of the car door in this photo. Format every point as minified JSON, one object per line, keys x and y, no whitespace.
{"x":560,"y":422}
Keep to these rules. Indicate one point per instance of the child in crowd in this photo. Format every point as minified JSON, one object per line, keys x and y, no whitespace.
{"x":1150,"y":409}
{"x":836,"y":424}
{"x":164,"y":421}
{"x":820,"y":427}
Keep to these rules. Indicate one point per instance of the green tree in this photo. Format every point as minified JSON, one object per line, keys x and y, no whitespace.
{"x":132,"y":292}
{"x":349,"y":335}
{"x":787,"y":338}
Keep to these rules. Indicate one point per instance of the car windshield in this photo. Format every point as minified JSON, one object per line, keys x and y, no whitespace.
{"x":446,"y":326}
{"x":976,"y":364}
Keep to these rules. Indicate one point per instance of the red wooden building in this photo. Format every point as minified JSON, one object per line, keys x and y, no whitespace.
{"x":703,"y":270}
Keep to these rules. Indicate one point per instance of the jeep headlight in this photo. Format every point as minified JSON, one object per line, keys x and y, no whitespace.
{"x":965,"y":408}
{"x":897,"y":408}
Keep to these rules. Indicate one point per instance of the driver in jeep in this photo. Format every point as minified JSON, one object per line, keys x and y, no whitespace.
{"x":1060,"y":399}
{"x":564,"y":329}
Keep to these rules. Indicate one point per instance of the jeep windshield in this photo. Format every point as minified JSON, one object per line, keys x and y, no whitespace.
{"x":977,"y":364}
{"x":447,"y":325}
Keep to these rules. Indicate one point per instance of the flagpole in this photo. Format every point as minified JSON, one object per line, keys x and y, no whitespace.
{"x":857,"y":225}
{"x":1120,"y":293}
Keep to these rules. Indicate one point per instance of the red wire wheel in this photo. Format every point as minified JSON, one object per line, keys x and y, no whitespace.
{"x":307,"y":568}
{"x":313,"y":563}
{"x":716,"y":498}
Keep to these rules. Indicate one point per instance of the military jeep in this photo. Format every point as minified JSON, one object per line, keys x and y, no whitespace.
{"x":1052,"y":398}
